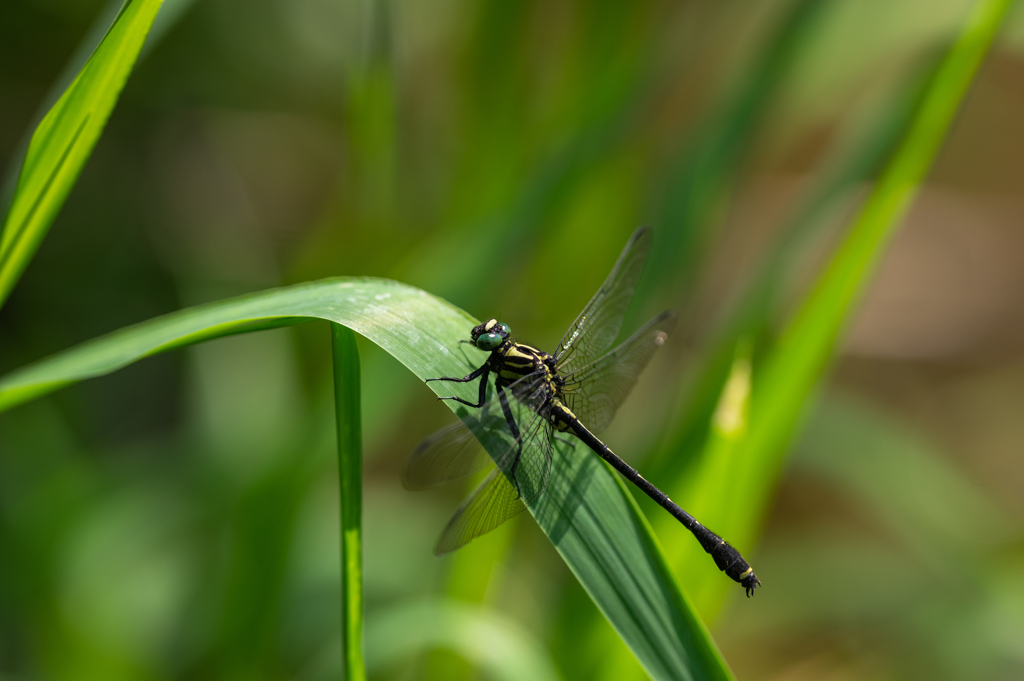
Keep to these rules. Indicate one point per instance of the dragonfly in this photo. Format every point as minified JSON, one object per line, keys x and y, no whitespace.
{"x":540,"y":398}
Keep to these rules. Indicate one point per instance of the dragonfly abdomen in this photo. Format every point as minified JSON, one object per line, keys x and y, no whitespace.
{"x":561,"y":418}
{"x":727,"y":558}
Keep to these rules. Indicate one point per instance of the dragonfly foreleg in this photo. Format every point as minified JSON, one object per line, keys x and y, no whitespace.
{"x":512,"y":426}
{"x":480,"y":373}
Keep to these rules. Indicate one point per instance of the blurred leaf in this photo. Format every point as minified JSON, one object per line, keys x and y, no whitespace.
{"x":784,"y":381}
{"x":861,"y":152}
{"x":700,"y":179}
{"x":508,"y":197}
{"x":586,"y":512}
{"x":790,"y":373}
{"x":699,"y":459}
{"x":65,"y":138}
{"x":493,"y":644}
{"x":929,"y":503}
{"x":921,"y":552}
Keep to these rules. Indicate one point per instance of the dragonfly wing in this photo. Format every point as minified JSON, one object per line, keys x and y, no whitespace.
{"x":514,"y":423}
{"x":449,"y":454}
{"x":595,"y":392}
{"x":522,"y":470}
{"x":455,"y":451}
{"x":601,"y":320}
{"x":493,"y":502}
{"x":527,"y":462}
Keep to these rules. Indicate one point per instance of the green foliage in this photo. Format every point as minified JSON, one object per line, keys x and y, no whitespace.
{"x":794,"y":366}
{"x":759,"y":408}
{"x":347,"y":388}
{"x":586,"y":512}
{"x":498,"y":157}
{"x":65,"y":138}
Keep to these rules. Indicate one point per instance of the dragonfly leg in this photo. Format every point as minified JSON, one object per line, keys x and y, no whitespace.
{"x":566,"y":440}
{"x":512,"y":426}
{"x":480,"y":373}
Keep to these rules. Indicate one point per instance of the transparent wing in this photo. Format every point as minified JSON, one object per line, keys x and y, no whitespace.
{"x":601,"y":320}
{"x":498,"y":498}
{"x":595,"y":392}
{"x":526,"y":463}
{"x":493,"y":502}
{"x":455,"y":451}
{"x":514,"y":423}
{"x":449,"y":454}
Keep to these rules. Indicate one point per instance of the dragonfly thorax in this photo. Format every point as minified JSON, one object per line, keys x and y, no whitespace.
{"x":511,"y":361}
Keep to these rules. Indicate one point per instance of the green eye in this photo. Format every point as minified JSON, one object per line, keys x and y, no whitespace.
{"x":504,"y":327}
{"x":488,"y":341}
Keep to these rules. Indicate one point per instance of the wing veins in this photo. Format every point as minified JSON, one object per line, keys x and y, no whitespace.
{"x":595,"y":392}
{"x":599,"y":323}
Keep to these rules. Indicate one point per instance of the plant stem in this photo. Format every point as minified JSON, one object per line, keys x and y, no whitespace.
{"x":350,"y":470}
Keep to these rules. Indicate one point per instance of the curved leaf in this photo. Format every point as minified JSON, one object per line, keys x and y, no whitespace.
{"x":590,"y":517}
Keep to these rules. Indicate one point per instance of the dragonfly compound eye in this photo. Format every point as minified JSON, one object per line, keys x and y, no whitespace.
{"x":505,"y":331}
{"x":488,"y":341}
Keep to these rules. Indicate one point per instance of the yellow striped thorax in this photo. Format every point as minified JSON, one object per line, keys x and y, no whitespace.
{"x":515,"y":360}
{"x":511,"y":361}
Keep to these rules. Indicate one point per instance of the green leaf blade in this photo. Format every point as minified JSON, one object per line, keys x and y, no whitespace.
{"x":786,"y":378}
{"x":793,"y":370}
{"x":65,"y":138}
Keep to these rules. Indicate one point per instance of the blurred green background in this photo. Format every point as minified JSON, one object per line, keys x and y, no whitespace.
{"x":178,"y":519}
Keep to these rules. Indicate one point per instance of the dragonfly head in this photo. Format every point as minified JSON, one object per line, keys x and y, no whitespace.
{"x":490,"y":335}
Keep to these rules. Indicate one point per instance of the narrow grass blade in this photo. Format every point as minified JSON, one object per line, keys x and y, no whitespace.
{"x":65,"y":138}
{"x":791,"y":372}
{"x":587,"y":513}
{"x":350,"y":471}
{"x":785,"y":379}
{"x":861,"y":154}
{"x":699,"y":457}
{"x":75,"y":63}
